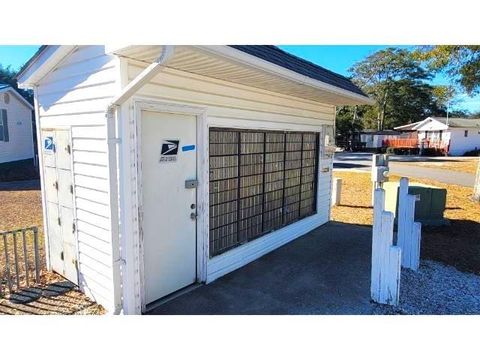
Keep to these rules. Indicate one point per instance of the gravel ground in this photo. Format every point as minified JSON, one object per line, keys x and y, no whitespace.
{"x":436,"y":289}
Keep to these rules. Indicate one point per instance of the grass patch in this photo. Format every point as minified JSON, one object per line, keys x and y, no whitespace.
{"x":21,"y":209}
{"x":457,"y":245}
{"x":461,"y":165}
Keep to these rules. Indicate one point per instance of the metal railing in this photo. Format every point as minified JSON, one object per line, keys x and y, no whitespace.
{"x":19,"y":259}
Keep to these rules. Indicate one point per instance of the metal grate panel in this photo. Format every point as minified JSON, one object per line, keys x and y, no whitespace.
{"x":260,"y":181}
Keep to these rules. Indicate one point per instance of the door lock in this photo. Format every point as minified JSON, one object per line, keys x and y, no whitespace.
{"x":191,"y":184}
{"x":192,"y":206}
{"x":193,"y":216}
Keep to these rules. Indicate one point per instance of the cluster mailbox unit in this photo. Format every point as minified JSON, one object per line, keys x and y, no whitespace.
{"x":165,"y":166}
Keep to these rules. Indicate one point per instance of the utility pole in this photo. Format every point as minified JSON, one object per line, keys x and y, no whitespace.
{"x":448,"y":108}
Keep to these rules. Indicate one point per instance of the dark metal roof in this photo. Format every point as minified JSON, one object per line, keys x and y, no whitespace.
{"x":301,"y":66}
{"x":459,"y":122}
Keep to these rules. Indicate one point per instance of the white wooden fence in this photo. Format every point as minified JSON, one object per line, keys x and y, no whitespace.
{"x":336,"y":191}
{"x":409,"y":231}
{"x":386,"y":258}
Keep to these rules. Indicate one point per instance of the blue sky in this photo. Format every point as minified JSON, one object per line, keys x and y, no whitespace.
{"x":16,"y":55}
{"x":338,"y":58}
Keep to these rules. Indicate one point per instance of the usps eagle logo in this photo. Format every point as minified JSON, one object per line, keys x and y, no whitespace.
{"x":169,"y":147}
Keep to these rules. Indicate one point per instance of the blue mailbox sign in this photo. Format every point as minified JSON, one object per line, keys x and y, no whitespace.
{"x":48,"y":144}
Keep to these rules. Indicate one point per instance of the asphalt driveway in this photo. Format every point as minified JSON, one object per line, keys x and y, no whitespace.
{"x":405,"y":166}
{"x":326,"y":271}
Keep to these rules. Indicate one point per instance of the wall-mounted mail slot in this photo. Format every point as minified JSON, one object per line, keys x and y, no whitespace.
{"x":191,"y":184}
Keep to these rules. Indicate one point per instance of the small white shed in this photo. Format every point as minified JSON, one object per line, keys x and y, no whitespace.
{"x":165,"y":166}
{"x":16,"y":136}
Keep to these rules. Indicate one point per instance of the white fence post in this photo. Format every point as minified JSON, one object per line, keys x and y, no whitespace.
{"x":476,"y":188}
{"x":336,"y":191}
{"x":386,"y":258}
{"x":409,"y":231}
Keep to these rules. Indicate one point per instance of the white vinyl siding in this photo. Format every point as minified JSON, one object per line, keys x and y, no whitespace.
{"x":75,"y":95}
{"x":228,"y":100}
{"x":232,"y":105}
{"x":16,"y":137}
{"x":460,"y":144}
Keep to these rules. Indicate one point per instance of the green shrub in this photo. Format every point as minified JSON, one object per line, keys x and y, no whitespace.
{"x":432,"y":152}
{"x":475,"y":152}
{"x":18,"y":170}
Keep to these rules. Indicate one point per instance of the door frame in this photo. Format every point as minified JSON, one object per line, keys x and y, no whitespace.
{"x":143,"y":104}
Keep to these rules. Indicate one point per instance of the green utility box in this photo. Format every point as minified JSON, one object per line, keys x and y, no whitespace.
{"x":428,"y":210}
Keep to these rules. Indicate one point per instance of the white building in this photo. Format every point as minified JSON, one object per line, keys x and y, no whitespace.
{"x":374,"y":140}
{"x":455,"y":135}
{"x":16,"y":137}
{"x":150,"y":147}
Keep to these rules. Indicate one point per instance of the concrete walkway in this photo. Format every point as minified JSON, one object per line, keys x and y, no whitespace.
{"x":326,"y":271}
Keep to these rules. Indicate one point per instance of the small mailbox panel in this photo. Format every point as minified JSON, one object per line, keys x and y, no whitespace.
{"x":191,"y":184}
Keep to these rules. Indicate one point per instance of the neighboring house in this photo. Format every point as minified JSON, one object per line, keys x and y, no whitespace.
{"x":454,"y":136}
{"x":374,"y":140}
{"x":16,"y":135}
{"x":176,"y":165}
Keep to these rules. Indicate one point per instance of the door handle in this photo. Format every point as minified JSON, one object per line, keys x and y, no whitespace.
{"x":193,"y":215}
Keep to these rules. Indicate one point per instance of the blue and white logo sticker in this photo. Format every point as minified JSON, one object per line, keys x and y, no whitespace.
{"x":48,"y":144}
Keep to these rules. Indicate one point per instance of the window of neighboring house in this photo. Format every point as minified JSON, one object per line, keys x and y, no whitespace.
{"x":3,"y":125}
{"x":466,"y":133}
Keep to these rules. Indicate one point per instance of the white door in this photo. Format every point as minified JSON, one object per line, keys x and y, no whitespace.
{"x":168,"y":146}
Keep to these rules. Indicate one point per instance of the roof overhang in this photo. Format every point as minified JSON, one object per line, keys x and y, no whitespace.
{"x":42,"y":63}
{"x":17,"y":95}
{"x":219,"y":62}
{"x":232,"y":65}
{"x":422,"y":125}
{"x":408,"y":127}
